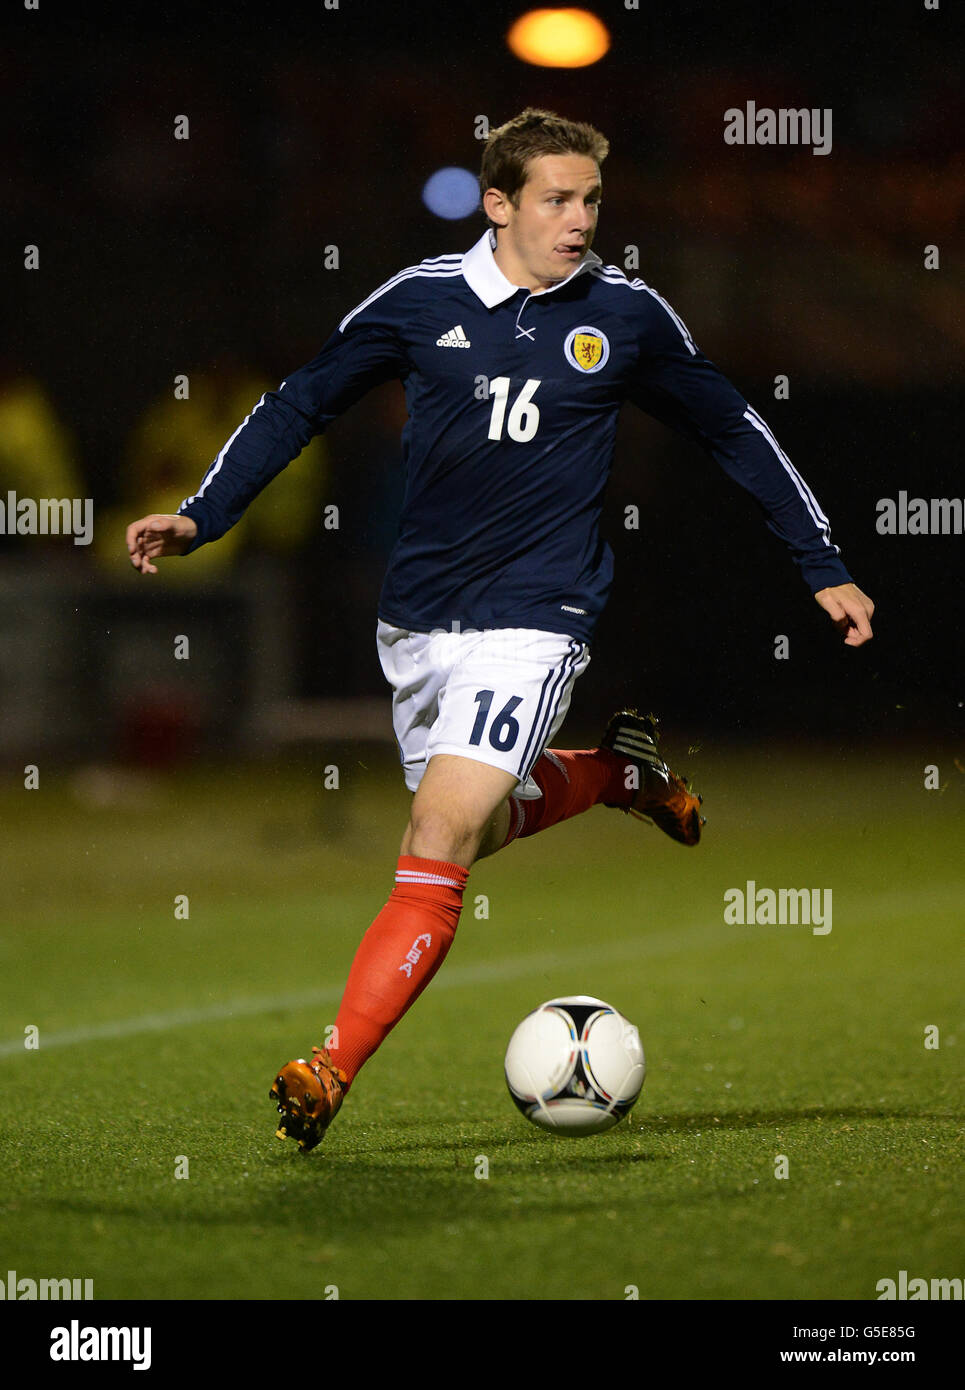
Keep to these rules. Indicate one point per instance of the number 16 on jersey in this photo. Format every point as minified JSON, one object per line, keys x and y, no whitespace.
{"x":523,"y":419}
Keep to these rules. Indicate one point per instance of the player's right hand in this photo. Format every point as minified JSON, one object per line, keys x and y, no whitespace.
{"x":157,"y":535}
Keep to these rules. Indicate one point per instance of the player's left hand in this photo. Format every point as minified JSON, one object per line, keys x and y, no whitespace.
{"x":156,"y":535}
{"x":850,"y":611}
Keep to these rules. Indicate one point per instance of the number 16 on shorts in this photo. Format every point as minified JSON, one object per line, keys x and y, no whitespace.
{"x":503,"y":728}
{"x":506,"y":726}
{"x":497,"y":696}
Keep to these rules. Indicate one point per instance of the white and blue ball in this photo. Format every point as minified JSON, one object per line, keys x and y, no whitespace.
{"x":575,"y":1066}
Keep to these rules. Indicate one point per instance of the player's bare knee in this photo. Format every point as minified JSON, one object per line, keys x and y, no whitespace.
{"x":437,"y":833}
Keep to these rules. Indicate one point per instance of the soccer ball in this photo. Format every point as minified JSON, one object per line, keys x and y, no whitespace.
{"x":575,"y":1066}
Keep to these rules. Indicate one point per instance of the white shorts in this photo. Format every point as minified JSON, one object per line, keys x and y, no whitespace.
{"x":496,"y":696}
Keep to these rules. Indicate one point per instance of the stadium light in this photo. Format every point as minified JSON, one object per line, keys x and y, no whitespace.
{"x":451,"y":193}
{"x":559,"y":38}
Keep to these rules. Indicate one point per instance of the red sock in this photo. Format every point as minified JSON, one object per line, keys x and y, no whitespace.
{"x":571,"y":781}
{"x":397,"y":957}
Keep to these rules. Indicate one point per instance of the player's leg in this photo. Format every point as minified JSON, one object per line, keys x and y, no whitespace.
{"x":463,"y":761}
{"x":562,"y":783}
{"x":410,"y":938}
{"x":626,"y":772}
{"x":496,"y":833}
{"x":453,"y":807}
{"x":455,"y":799}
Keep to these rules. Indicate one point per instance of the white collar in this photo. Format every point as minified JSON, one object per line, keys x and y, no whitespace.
{"x":484,"y":277}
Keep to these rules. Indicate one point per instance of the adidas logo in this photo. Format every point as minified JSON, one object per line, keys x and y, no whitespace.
{"x":454,"y":338}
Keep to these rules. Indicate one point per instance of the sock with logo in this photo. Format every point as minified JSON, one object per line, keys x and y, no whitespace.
{"x":571,"y":780}
{"x":397,"y":957}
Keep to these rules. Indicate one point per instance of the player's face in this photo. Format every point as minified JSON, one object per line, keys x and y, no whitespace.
{"x":546,"y":237}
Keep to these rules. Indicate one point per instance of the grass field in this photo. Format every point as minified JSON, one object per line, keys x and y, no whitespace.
{"x":158,"y":1039}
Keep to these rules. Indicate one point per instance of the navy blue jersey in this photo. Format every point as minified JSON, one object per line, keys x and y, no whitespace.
{"x":512,"y":400}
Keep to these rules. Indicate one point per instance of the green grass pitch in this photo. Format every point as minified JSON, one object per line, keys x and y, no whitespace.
{"x":159,"y":1037}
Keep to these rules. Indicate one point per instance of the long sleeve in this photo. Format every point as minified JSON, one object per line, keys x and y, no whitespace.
{"x":678,"y":385}
{"x":365,"y":352}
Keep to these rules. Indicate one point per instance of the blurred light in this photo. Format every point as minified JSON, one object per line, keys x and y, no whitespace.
{"x":559,"y":38}
{"x":451,"y":193}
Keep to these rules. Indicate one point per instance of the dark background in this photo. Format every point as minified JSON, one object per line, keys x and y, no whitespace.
{"x":312,"y":127}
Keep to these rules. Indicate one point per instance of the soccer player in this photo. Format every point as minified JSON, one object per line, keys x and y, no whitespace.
{"x":516,"y":358}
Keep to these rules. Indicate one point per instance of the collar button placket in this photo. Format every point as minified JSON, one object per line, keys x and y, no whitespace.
{"x":522,"y":332}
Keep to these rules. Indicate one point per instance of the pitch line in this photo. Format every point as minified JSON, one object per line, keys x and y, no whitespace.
{"x":878,"y":908}
{"x":458,"y":977}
